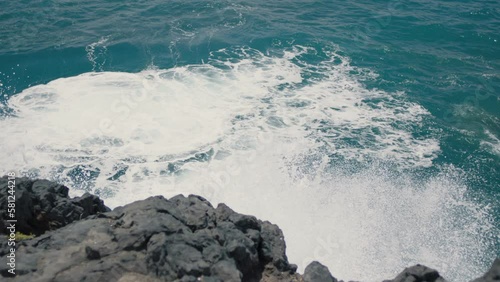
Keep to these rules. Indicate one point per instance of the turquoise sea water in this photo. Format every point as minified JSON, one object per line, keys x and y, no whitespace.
{"x":375,"y":125}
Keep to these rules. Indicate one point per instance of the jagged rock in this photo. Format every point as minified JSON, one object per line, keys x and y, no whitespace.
{"x":42,"y":205}
{"x":316,"y":272}
{"x":418,"y":273}
{"x":181,"y":239}
{"x":493,"y":275}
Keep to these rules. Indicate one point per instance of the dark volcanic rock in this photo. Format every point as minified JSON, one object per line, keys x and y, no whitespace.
{"x":42,"y":205}
{"x":316,"y":272}
{"x":418,"y":273}
{"x":493,"y":275}
{"x":181,"y":239}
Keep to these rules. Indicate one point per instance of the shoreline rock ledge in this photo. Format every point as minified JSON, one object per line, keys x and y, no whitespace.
{"x":156,"y":239}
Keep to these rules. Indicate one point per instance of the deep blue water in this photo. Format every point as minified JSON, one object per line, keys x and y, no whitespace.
{"x":409,"y":90}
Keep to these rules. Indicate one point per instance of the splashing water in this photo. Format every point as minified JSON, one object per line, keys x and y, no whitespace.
{"x":303,"y":145}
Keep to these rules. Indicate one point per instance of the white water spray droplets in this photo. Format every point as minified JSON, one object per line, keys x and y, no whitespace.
{"x":263,"y":134}
{"x":96,"y":53}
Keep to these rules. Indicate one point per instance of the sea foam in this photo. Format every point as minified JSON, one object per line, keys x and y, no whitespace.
{"x":305,"y":146}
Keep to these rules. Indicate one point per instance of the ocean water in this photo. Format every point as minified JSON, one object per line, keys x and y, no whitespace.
{"x":369,"y":131}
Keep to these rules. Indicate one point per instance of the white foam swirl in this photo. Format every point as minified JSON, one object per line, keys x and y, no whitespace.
{"x":268,"y":135}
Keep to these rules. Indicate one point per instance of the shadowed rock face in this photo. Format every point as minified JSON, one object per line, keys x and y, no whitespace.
{"x":157,"y":239}
{"x":180,"y":239}
{"x":42,"y":205}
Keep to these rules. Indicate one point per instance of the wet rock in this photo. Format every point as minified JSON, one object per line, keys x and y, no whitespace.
{"x":180,"y":239}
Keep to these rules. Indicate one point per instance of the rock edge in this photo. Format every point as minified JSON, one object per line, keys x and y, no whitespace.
{"x":157,"y":239}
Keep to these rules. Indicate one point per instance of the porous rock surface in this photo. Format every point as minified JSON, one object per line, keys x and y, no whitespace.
{"x":43,"y":205}
{"x":157,"y":239}
{"x":180,"y":239}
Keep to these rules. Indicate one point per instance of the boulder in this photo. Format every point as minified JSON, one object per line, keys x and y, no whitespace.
{"x":177,"y":239}
{"x":157,"y":239}
{"x":42,"y":205}
{"x":316,"y":272}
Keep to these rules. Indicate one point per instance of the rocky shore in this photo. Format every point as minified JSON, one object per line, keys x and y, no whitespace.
{"x":156,"y":239}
